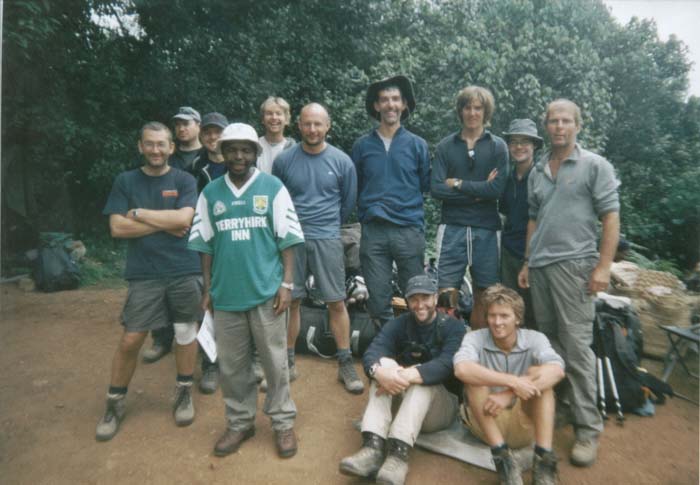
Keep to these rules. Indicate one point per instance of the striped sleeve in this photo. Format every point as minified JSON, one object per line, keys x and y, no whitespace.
{"x":287,"y":228}
{"x":202,"y":231}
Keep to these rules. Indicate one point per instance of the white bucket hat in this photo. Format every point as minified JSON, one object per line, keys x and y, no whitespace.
{"x":239,"y":132}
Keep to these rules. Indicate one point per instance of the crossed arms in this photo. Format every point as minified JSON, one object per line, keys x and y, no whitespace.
{"x":142,"y":222}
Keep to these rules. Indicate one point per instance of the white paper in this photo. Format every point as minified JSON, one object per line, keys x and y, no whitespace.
{"x":206,"y":336}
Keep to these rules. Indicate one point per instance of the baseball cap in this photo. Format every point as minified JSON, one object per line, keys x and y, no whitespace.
{"x":187,"y":113}
{"x":423,"y":284}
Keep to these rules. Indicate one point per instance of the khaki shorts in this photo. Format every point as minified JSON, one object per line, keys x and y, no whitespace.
{"x":515,"y":426}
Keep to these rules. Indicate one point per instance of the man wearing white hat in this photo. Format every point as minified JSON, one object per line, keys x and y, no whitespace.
{"x":247,"y":218}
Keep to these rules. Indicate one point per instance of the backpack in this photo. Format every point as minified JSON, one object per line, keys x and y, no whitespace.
{"x":618,"y":336}
{"x":54,"y":270}
{"x":316,"y":338}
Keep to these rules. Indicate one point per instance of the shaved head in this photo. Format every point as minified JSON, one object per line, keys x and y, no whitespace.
{"x":315,"y":108}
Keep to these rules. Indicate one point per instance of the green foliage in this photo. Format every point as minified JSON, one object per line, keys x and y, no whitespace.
{"x":75,"y":94}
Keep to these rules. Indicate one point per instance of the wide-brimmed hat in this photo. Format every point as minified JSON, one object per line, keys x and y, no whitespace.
{"x":524,"y":127}
{"x":404,"y":85}
{"x":187,"y":113}
{"x":239,"y":132}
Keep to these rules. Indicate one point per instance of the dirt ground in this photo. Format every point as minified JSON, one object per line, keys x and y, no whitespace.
{"x":56,"y":354}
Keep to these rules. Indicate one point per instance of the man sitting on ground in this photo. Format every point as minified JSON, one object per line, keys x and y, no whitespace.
{"x":411,"y":359}
{"x":509,"y":373}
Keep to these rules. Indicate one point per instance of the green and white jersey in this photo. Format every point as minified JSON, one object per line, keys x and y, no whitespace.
{"x":245,"y":231}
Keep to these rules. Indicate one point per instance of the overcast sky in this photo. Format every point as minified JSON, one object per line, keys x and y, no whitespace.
{"x":680,"y":17}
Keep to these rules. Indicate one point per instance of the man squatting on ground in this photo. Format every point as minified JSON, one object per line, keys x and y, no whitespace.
{"x":188,"y":150}
{"x":523,"y":140}
{"x":322,"y":182}
{"x":469,"y":219}
{"x":393,"y":173}
{"x":569,"y":191}
{"x":509,"y":373}
{"x":152,"y":207}
{"x":275,"y":116}
{"x":245,"y":228}
{"x":410,"y":360}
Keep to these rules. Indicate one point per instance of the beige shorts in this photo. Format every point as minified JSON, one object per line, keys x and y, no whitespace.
{"x":516,"y":427}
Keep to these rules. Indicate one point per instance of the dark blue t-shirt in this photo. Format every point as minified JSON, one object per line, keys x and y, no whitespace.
{"x":158,"y":255}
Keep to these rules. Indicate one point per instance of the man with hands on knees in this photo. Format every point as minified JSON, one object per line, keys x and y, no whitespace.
{"x":410,"y":360}
{"x":245,"y":228}
{"x":509,"y":374}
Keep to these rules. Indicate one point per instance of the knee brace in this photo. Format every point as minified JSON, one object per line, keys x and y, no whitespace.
{"x":185,"y":333}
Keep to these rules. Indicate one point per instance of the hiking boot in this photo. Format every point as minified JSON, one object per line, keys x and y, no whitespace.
{"x":507,"y":468}
{"x":155,"y":353}
{"x":183,"y":407}
{"x":286,"y":442}
{"x":210,"y":380}
{"x":584,"y":452}
{"x":349,"y":378}
{"x":368,"y":460}
{"x":293,"y":374}
{"x":395,"y":467}
{"x":231,"y":440}
{"x":108,"y":426}
{"x":544,"y":469}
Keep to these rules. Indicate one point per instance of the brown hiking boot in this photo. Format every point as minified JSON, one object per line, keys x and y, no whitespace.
{"x":286,"y":442}
{"x":231,"y":440}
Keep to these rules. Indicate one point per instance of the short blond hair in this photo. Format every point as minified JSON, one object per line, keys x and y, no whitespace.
{"x":501,"y":295}
{"x":470,"y":93}
{"x":564,"y":102}
{"x":279,"y":102}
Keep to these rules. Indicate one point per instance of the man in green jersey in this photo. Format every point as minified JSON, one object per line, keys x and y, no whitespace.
{"x":245,"y":228}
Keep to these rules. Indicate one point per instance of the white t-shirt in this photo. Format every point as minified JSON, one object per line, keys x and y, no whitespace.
{"x":269,"y":152}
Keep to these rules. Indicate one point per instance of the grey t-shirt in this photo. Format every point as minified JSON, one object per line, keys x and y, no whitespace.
{"x":567,"y":209}
{"x":531,"y":348}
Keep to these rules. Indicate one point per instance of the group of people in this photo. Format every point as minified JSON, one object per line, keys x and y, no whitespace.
{"x":235,"y":224}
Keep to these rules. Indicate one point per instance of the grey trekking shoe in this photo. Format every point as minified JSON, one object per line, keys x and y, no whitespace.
{"x":584,"y":452}
{"x":293,"y":374}
{"x":210,"y":380}
{"x":507,"y":468}
{"x":544,"y":469}
{"x":349,"y":378}
{"x":183,"y":407}
{"x":395,"y":467}
{"x":108,"y":426}
{"x":368,"y":460}
{"x":155,"y":353}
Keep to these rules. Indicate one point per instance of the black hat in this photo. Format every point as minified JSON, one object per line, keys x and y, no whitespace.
{"x":423,"y":284}
{"x":404,"y":86}
{"x":214,"y":119}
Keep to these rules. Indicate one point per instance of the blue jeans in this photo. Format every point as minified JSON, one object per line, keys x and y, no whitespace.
{"x":382,"y":244}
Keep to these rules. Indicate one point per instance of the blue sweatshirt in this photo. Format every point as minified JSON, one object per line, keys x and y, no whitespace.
{"x":323,"y":187}
{"x":391,"y":183}
{"x":392,"y":340}
{"x":475,"y":203}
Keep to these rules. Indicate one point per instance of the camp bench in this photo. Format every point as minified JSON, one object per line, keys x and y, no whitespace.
{"x":679,"y":338}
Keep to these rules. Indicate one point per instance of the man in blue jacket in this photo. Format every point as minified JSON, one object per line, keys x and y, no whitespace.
{"x":393,"y":172}
{"x":411,"y":360}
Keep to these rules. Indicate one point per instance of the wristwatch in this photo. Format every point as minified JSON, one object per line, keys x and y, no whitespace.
{"x":373,"y":369}
{"x":134,"y":213}
{"x":457,"y":184}
{"x":289,"y":286}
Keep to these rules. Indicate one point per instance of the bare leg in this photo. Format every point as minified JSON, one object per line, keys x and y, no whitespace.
{"x":477,"y":396}
{"x":477,"y":319}
{"x":185,"y":358}
{"x":340,"y":323}
{"x":125,"y":358}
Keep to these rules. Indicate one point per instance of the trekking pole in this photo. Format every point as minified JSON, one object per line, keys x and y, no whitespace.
{"x":613,"y":387}
{"x":601,"y":388}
